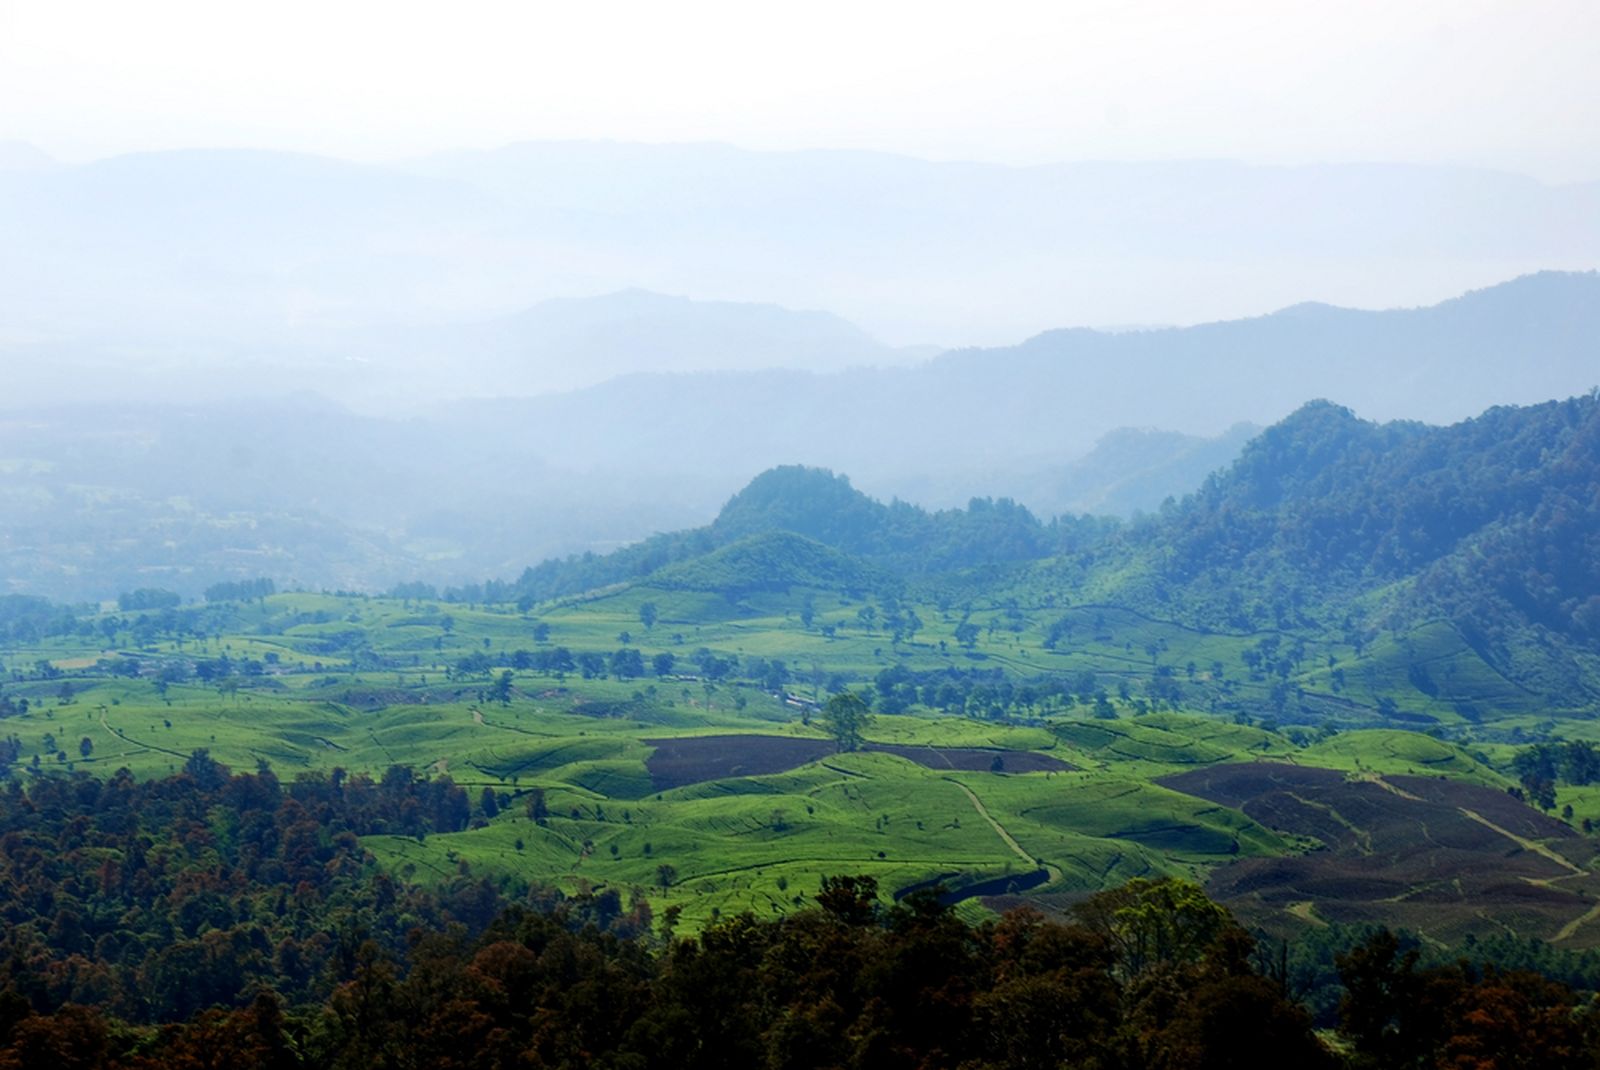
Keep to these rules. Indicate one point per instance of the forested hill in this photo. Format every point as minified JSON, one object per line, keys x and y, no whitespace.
{"x":1328,"y":521}
{"x":1326,"y":524}
{"x":908,"y":539}
{"x":898,"y":539}
{"x":1504,"y":508}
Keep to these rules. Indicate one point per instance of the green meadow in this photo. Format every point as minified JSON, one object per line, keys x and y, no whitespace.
{"x":536,"y":708}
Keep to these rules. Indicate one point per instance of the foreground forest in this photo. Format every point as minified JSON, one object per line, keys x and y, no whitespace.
{"x":217,"y":920}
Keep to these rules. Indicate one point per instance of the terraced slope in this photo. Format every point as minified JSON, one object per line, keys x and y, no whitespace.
{"x":1439,"y":856}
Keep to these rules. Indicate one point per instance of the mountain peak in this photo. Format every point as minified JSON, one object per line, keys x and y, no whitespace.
{"x":1289,"y":458}
{"x":809,"y":501}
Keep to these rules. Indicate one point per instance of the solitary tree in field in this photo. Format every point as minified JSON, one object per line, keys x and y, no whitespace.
{"x":843,"y":717}
{"x":536,"y":807}
{"x":647,"y":615}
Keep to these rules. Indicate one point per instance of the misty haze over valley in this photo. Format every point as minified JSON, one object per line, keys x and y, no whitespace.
{"x":229,"y":363}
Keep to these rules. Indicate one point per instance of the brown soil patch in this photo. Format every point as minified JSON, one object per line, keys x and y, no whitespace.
{"x":1439,"y":856}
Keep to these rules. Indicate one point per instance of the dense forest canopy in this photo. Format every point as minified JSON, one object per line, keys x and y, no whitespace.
{"x":1492,"y":524}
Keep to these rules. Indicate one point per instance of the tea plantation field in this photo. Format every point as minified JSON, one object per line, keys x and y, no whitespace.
{"x":666,"y":743}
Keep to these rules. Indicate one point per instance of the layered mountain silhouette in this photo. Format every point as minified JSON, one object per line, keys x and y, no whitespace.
{"x":986,"y":421}
{"x":1069,"y":422}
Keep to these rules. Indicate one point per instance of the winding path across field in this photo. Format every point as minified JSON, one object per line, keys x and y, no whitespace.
{"x":1053,"y":871}
{"x":137,"y":743}
{"x":999,"y":829}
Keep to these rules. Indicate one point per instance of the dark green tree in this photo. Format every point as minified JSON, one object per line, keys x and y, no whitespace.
{"x":626,"y":664}
{"x":853,"y":900}
{"x":843,"y":717}
{"x":537,"y":809}
{"x":1153,"y":922}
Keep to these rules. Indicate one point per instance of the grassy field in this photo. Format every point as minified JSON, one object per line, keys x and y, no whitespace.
{"x":319,"y":682}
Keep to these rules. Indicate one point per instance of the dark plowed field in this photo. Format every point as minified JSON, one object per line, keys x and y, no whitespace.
{"x":692,"y":759}
{"x":1439,"y":856}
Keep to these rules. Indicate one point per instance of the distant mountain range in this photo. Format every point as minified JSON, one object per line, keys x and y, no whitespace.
{"x":984,"y":421}
{"x":217,"y":258}
{"x":943,"y":250}
{"x":569,"y":343}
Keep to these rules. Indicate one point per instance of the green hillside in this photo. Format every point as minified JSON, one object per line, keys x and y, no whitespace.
{"x":1339,"y":571}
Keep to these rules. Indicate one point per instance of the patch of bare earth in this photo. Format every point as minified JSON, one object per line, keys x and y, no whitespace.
{"x":1441,"y":857}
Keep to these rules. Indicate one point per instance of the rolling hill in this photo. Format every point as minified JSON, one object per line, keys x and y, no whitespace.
{"x":1452,"y":568}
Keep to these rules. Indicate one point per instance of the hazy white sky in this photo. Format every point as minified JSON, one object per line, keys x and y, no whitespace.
{"x":1513,"y":84}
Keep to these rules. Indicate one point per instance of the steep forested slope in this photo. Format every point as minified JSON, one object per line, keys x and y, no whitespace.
{"x":1330,"y":521}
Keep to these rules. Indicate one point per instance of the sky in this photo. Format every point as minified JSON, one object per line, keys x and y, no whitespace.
{"x":1509,"y":85}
